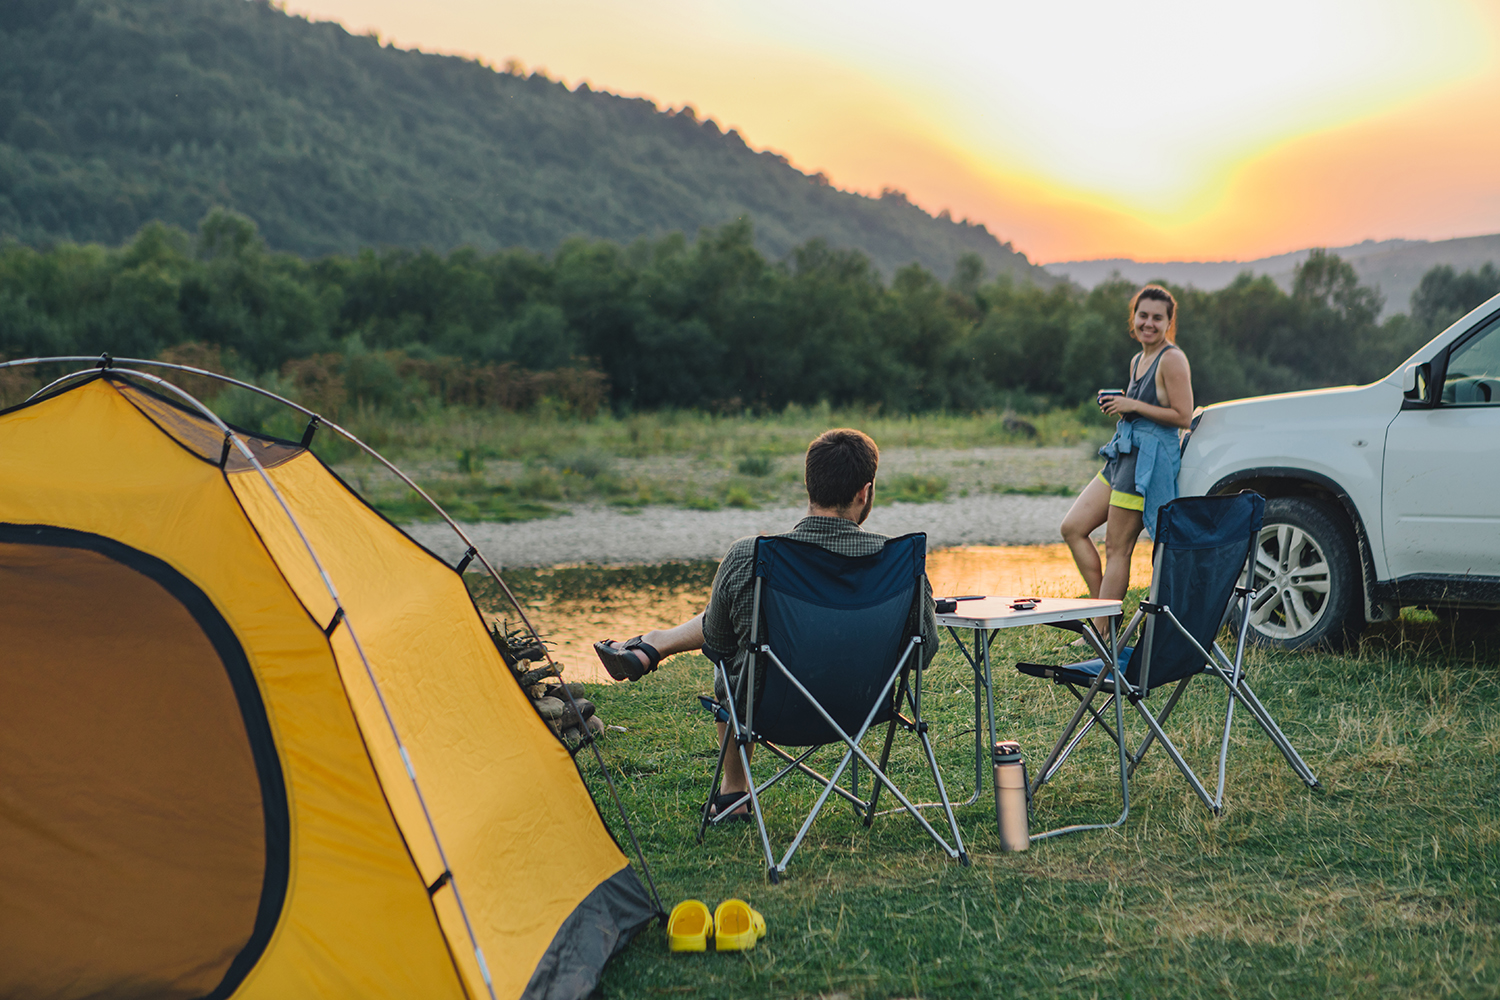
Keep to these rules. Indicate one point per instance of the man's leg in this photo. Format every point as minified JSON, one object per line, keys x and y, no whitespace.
{"x":686,"y":638}
{"x":682,"y":638}
{"x":736,"y":782}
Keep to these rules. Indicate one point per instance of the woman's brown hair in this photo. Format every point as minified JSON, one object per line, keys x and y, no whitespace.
{"x":1160,"y":294}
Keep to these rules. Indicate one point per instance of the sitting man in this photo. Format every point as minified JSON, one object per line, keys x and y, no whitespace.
{"x":840,"y":479}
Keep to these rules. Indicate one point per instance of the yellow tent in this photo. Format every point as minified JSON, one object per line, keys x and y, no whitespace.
{"x":256,"y":742}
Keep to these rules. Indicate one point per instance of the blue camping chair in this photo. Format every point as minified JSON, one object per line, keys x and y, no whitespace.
{"x":1203,"y":545}
{"x":832,"y":639}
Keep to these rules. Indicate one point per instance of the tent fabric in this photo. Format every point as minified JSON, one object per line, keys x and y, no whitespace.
{"x":355,"y":917}
{"x":127,"y":708}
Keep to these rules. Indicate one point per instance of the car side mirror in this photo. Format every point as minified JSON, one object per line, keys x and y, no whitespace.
{"x":1415,"y":380}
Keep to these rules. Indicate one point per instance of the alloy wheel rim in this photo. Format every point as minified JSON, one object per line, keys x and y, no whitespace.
{"x":1291,"y":582}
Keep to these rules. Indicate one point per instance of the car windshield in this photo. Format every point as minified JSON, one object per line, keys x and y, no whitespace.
{"x":1473,"y":376}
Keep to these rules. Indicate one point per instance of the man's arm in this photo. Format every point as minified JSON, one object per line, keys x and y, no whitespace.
{"x":729,"y":602}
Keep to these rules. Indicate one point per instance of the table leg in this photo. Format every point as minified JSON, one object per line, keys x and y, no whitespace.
{"x":989,"y":687}
{"x":978,"y":664}
{"x":979,"y":681}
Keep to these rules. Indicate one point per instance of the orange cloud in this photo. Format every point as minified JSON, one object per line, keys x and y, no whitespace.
{"x":1387,"y":131}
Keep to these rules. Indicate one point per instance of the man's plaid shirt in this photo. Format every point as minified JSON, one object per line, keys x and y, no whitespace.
{"x":726,"y":623}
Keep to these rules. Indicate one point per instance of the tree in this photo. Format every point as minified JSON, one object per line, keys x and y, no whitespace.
{"x":1443,"y":295}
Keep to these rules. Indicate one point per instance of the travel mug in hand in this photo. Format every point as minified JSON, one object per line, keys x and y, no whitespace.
{"x":1010,"y":797}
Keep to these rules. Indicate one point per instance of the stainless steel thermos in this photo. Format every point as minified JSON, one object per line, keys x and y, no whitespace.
{"x":1010,"y":797}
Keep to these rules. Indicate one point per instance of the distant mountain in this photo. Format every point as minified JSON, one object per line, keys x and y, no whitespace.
{"x":1394,"y":266}
{"x":117,"y":112}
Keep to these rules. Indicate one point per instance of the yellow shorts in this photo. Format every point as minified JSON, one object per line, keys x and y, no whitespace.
{"x":1129,"y":501}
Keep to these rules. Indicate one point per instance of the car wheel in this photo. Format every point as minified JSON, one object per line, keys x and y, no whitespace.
{"x":1307,"y":579}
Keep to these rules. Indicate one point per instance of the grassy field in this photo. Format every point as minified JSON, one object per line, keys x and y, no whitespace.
{"x":486,"y":466}
{"x":1383,"y":882}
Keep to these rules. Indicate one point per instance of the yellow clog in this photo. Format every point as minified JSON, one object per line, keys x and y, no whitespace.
{"x":690,"y":926}
{"x":737,"y":926}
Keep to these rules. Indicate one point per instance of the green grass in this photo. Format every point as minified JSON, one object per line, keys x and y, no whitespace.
{"x":1046,"y":490}
{"x":450,"y":431}
{"x":1381,"y":882}
{"x":496,"y":466}
{"x":912,"y":488}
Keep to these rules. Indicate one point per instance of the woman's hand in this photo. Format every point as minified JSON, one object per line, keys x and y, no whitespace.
{"x":1117,"y":406}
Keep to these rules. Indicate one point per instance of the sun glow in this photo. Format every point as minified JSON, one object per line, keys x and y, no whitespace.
{"x":1085,"y":128}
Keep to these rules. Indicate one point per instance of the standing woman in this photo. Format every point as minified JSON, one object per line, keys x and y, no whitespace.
{"x":1143,"y":458}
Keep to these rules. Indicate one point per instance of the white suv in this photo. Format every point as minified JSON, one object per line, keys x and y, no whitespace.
{"x":1378,"y":496}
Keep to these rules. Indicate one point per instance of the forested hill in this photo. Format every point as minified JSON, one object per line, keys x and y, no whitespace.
{"x":117,"y":112}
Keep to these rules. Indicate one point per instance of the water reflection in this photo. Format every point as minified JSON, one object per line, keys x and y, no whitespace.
{"x":573,"y":607}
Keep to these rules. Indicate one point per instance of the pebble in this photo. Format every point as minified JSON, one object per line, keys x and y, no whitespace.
{"x":602,"y":535}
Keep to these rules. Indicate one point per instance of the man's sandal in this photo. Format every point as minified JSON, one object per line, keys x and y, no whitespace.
{"x":624,"y":665}
{"x":719,"y":803}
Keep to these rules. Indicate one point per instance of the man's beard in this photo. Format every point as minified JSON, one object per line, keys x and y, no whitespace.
{"x":865,"y":511}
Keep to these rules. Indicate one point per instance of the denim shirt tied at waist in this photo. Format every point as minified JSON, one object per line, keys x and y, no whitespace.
{"x":1158,"y":460}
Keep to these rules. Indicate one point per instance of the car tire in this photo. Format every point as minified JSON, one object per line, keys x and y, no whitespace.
{"x":1309,"y":590}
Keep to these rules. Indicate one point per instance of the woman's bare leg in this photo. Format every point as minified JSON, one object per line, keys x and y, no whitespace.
{"x":1124,"y":529}
{"x":1090,"y":510}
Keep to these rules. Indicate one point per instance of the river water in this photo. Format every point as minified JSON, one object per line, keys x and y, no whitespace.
{"x":572,"y":607}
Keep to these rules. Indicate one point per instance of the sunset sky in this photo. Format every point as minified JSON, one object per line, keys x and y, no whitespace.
{"x":1160,"y":129}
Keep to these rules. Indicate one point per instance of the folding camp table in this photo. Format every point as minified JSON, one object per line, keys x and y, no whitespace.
{"x":985,"y":617}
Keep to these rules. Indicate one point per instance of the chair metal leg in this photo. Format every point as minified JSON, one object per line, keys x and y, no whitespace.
{"x":1266,"y":721}
{"x":1106,"y":651}
{"x":713,"y":788}
{"x":1234,"y":683}
{"x":760,"y":819}
{"x":817,"y":808}
{"x":1161,"y":720}
{"x":1277,"y":736}
{"x":740,"y":737}
{"x":1062,"y":741}
{"x":885,"y":753}
{"x":1177,"y":758}
{"x":937,"y":776}
{"x":1094,"y":717}
{"x":885,"y":758}
{"x":852,"y":742}
{"x":796,"y":764}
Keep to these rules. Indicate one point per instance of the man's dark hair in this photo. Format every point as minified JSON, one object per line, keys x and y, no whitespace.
{"x":839,"y":463}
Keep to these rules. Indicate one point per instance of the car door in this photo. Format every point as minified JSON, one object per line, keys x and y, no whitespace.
{"x":1441,"y":505}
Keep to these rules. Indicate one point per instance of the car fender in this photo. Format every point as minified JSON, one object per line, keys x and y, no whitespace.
{"x":1324,"y":442}
{"x":1292,"y":482}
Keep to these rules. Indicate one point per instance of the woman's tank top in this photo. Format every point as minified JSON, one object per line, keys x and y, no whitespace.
{"x":1143,"y":387}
